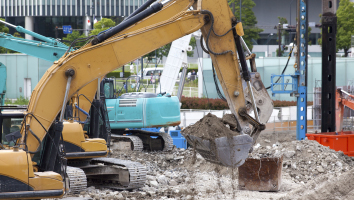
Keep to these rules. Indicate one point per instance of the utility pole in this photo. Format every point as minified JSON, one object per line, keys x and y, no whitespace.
{"x":142,"y":68}
{"x":279,"y":40}
{"x":5,"y":8}
{"x":290,"y":20}
{"x":233,"y":7}
{"x":240,"y":9}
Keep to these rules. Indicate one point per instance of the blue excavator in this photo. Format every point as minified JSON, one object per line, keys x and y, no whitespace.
{"x":128,"y":114}
{"x":2,"y":83}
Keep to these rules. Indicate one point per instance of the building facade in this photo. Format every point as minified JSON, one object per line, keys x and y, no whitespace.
{"x":43,"y":16}
{"x":64,"y":8}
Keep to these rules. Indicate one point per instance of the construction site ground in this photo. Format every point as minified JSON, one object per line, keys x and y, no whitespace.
{"x":310,"y":171}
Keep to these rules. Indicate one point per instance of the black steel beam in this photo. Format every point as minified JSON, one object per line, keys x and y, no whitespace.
{"x":328,"y":100}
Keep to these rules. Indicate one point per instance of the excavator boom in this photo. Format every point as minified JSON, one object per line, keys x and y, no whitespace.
{"x":137,"y":36}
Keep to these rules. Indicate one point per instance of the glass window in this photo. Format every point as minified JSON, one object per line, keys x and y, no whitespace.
{"x":158,"y":73}
{"x":10,"y":125}
{"x":108,"y":90}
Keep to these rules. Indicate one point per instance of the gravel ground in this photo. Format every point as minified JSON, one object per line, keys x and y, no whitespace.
{"x":310,"y":171}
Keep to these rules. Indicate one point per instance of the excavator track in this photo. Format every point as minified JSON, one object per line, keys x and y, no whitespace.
{"x":76,"y":179}
{"x":137,"y":144}
{"x":139,"y":139}
{"x":115,"y":174}
{"x":168,"y":141}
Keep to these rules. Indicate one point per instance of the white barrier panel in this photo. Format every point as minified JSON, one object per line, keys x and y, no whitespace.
{"x":189,"y":117}
{"x":274,"y":117}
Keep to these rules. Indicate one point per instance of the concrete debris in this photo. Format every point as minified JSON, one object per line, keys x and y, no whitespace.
{"x":305,"y":160}
{"x":182,"y":174}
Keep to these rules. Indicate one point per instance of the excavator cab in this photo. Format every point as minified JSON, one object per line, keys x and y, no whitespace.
{"x":20,"y":178}
{"x":108,"y":88}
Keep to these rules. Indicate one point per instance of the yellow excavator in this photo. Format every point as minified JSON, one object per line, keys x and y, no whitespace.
{"x":44,"y":128}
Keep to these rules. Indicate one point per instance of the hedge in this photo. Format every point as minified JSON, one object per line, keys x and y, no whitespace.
{"x":117,"y":74}
{"x":218,"y":104}
{"x":203,"y":103}
{"x":190,"y":70}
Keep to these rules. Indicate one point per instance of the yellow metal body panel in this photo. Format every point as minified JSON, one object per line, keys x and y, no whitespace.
{"x":90,"y":145}
{"x":239,"y":29}
{"x":74,"y":134}
{"x":98,"y":140}
{"x":17,"y":165}
{"x":46,"y":181}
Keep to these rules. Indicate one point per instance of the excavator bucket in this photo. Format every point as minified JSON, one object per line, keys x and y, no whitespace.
{"x":226,"y":151}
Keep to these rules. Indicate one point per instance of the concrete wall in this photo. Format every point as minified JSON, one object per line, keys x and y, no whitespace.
{"x":19,"y":67}
{"x":268,"y":66}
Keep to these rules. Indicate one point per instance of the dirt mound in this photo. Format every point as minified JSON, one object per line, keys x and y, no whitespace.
{"x":211,"y":127}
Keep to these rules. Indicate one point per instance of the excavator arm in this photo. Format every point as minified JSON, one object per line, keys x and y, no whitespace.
{"x":137,"y":36}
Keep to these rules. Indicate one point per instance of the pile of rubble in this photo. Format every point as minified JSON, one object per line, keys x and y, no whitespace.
{"x":307,"y":159}
{"x":180,"y":175}
{"x":173,"y":175}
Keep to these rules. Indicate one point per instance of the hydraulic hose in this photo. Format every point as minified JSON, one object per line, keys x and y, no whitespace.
{"x":125,"y":24}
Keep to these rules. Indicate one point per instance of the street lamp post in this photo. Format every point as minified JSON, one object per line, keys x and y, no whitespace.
{"x":290,"y":19}
{"x":240,"y":9}
{"x":268,"y":44}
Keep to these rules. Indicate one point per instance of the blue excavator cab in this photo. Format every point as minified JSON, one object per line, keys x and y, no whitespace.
{"x":2,"y":84}
{"x":140,"y":109}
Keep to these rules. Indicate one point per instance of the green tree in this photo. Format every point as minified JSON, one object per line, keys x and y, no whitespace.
{"x":283,"y":20}
{"x":345,"y":25}
{"x":193,"y":44}
{"x":102,"y":25}
{"x":3,"y":29}
{"x":248,"y":20}
{"x":319,"y":40}
{"x":73,"y":36}
{"x":309,"y":29}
